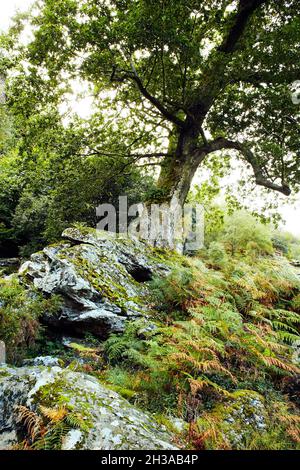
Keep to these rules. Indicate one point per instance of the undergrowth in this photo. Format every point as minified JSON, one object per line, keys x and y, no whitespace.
{"x":215,"y":332}
{"x":20,"y":310}
{"x":47,"y":429}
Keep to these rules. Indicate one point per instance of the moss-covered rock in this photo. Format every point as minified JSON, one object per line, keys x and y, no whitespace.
{"x":71,"y":410}
{"x":238,"y":423}
{"x":101,"y":278}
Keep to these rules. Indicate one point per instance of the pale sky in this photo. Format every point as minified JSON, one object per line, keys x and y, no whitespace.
{"x":8,"y":8}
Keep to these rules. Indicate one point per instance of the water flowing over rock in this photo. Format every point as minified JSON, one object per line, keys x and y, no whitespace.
{"x":100,"y":277}
{"x":111,"y":423}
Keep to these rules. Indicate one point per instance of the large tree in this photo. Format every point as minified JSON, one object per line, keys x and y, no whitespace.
{"x":210,"y":75}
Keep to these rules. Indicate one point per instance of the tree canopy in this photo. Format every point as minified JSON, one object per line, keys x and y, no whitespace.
{"x":208,"y":75}
{"x":172,"y":82}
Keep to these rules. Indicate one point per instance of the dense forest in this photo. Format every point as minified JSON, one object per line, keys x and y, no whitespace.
{"x":181,"y":350}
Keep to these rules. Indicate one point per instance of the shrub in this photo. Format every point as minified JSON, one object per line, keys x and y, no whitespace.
{"x":243,"y":233}
{"x":217,"y":254}
{"x":19,"y":316}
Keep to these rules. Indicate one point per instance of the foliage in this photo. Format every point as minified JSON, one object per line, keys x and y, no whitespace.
{"x":52,"y":170}
{"x":288,"y":244}
{"x":142,"y":57}
{"x":46,"y":430}
{"x":10,"y":188}
{"x":225,"y":427}
{"x":217,"y":254}
{"x":243,"y":233}
{"x":19,"y":316}
{"x":125,"y":346}
{"x":46,"y":188}
{"x":219,"y":332}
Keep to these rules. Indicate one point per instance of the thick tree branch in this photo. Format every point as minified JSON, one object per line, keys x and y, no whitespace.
{"x":214,"y":78}
{"x":245,"y":10}
{"x":260,"y":177}
{"x":166,"y":113}
{"x":152,"y":99}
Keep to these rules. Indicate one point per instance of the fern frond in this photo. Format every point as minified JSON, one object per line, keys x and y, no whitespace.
{"x":76,"y":420}
{"x":32,"y":422}
{"x":273,"y":361}
{"x":54,"y":414}
{"x":294,"y":433}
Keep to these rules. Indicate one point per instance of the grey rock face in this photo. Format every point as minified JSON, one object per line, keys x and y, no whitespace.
{"x":48,"y":361}
{"x":100,"y":277}
{"x":112,"y":423}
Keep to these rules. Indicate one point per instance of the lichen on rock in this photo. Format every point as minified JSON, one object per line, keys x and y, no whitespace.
{"x":99,"y":276}
{"x":236,"y":421}
{"x":106,"y":421}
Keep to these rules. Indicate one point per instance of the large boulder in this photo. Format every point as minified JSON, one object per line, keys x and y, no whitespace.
{"x":58,"y":408}
{"x":100,"y":277}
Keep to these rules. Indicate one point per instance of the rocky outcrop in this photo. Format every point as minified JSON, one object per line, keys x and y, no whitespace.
{"x":90,"y":416}
{"x":48,"y":361}
{"x":101,"y":279}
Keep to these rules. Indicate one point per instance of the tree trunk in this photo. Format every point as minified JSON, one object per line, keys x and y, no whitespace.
{"x":177,"y":172}
{"x":175,"y":179}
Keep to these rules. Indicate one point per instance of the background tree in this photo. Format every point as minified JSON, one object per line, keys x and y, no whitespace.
{"x":50,"y":174}
{"x":206,"y":75}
